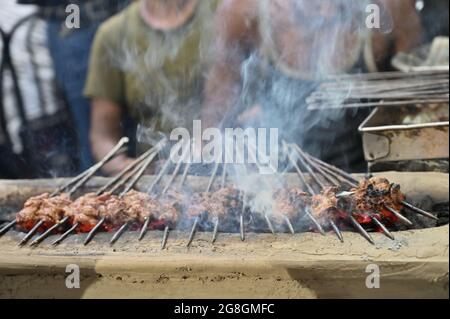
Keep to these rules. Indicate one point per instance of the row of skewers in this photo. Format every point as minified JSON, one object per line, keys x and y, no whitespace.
{"x":322,"y":205}
{"x":378,"y":89}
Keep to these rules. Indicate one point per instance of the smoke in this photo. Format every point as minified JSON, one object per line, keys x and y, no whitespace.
{"x":278,"y":76}
{"x":322,"y":38}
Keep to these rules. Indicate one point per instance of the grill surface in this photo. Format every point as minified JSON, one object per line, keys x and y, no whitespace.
{"x":304,"y":265}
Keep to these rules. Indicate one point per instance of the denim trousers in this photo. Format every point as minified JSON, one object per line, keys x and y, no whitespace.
{"x":70,"y":55}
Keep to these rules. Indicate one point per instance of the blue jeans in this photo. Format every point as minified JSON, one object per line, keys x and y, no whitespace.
{"x":70,"y":54}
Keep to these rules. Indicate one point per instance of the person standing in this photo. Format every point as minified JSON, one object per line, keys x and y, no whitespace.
{"x":148,"y":63}
{"x":70,"y":49}
{"x":271,"y":54}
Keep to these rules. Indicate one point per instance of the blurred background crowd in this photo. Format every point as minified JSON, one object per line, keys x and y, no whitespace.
{"x":68,"y":94}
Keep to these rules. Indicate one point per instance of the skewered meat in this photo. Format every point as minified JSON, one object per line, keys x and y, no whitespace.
{"x":220,"y":203}
{"x":380,"y":191}
{"x":43,"y":207}
{"x":223,"y":201}
{"x":199,"y":204}
{"x":139,"y":206}
{"x":325,"y":203}
{"x":371,"y":198}
{"x":87,"y":210}
{"x":288,"y":202}
{"x":367,"y":201}
{"x":116,"y":213}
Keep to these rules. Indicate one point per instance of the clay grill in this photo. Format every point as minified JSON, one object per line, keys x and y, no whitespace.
{"x":204,"y":256}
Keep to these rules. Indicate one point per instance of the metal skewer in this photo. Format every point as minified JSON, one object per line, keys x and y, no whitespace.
{"x":175,"y":172}
{"x":213,"y":177}
{"x":137,"y":167}
{"x":215,"y":231}
{"x":7,"y":227}
{"x":298,"y":170}
{"x":315,"y":222}
{"x":419,"y":210}
{"x":289,"y":224}
{"x":144,"y":228}
{"x":306,"y":162}
{"x":94,"y":230}
{"x":309,"y":169}
{"x":184,"y":176}
{"x":195,"y":225}
{"x":241,"y":217}
{"x":172,"y":178}
{"x":383,"y":228}
{"x":399,"y":216}
{"x":69,"y":183}
{"x":119,"y":233}
{"x":350,"y":179}
{"x":241,"y":227}
{"x":165,"y":237}
{"x":129,"y":168}
{"x":48,"y":232}
{"x":217,"y":219}
{"x":361,"y":230}
{"x":31,"y":233}
{"x":66,"y":234}
{"x":193,"y":230}
{"x":269,"y":224}
{"x":99,"y":165}
{"x":336,"y":230}
{"x":163,"y":171}
{"x":165,"y":168}
{"x":329,"y":177}
{"x":136,"y":175}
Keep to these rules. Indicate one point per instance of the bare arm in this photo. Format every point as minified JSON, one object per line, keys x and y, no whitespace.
{"x":236,"y":34}
{"x":105,"y":133}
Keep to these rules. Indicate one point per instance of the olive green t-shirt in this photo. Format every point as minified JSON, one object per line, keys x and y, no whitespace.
{"x":157,"y":76}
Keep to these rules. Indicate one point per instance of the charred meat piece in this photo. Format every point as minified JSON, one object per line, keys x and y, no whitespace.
{"x":371,"y":198}
{"x":43,"y":207}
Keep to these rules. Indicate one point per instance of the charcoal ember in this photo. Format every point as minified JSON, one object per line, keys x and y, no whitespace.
{"x":48,"y":209}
